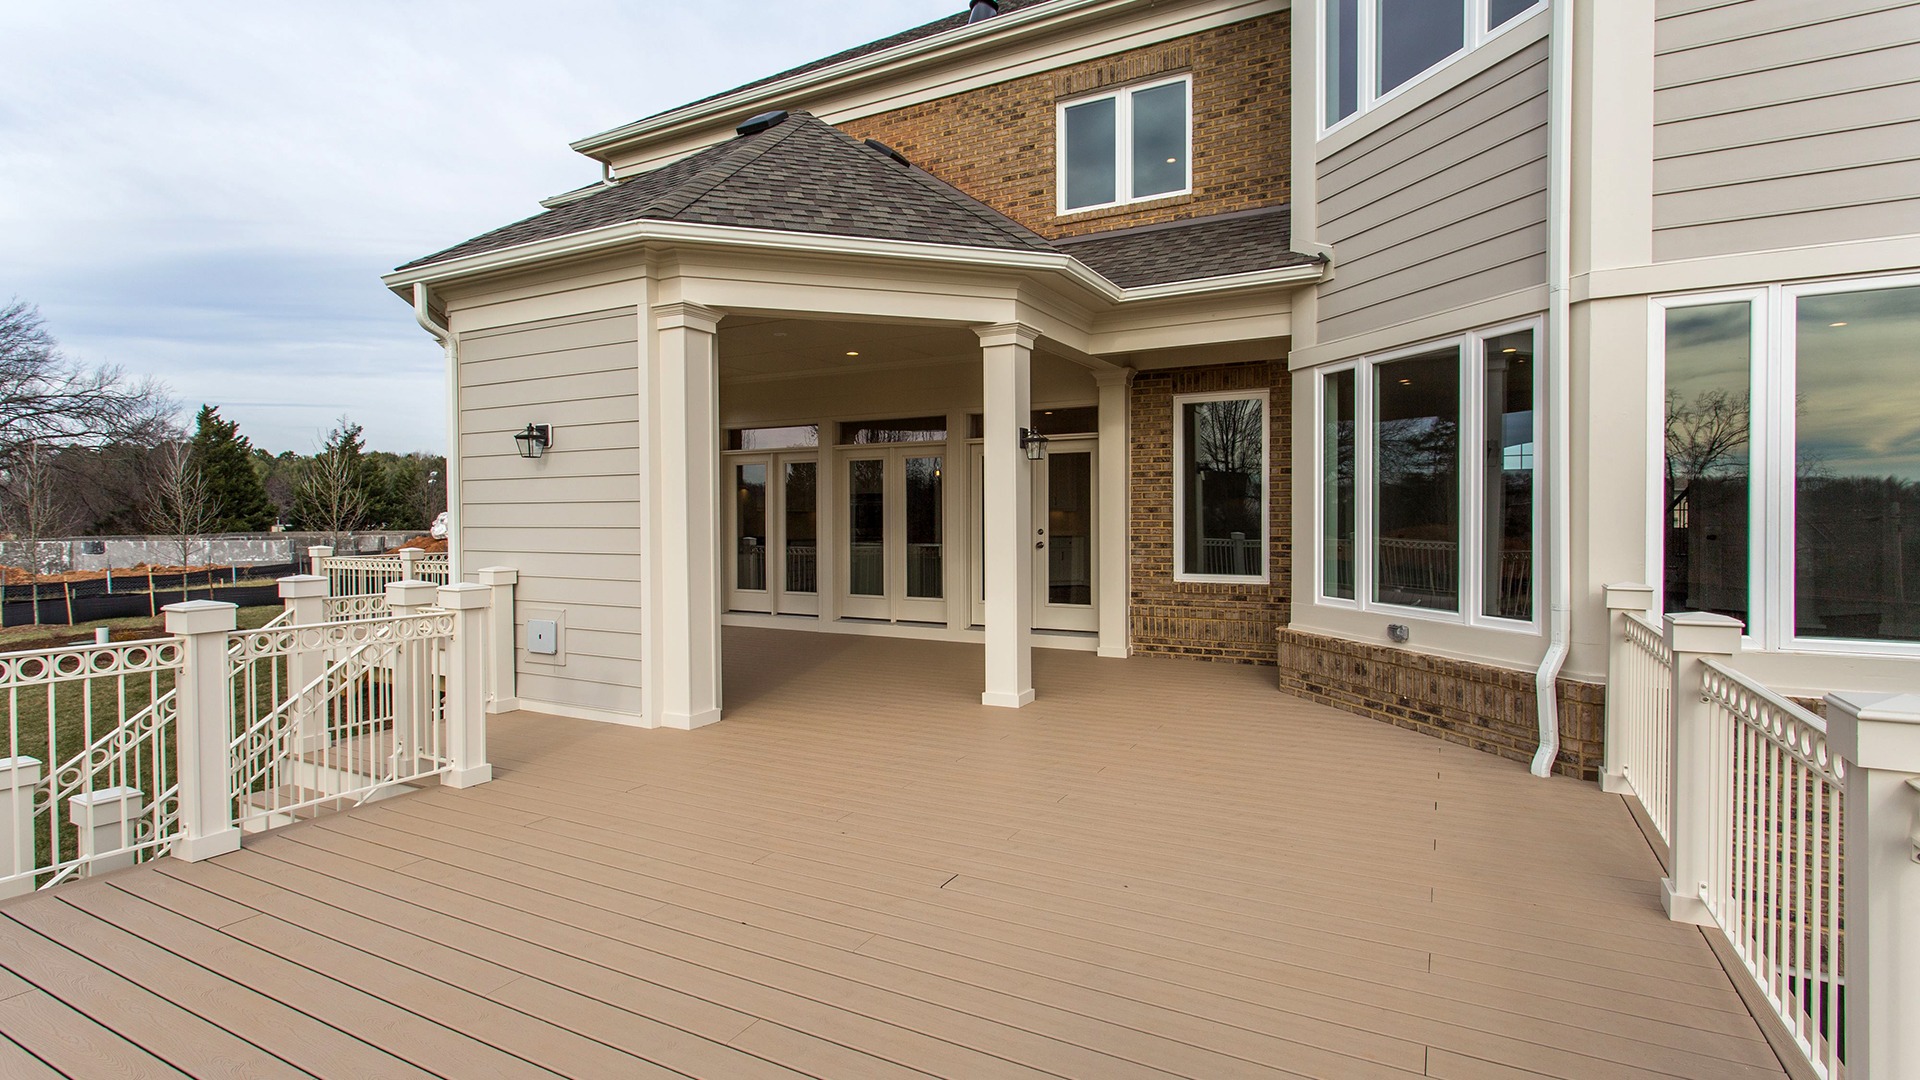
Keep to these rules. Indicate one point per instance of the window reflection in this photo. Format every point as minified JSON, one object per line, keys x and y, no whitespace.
{"x":1857,"y":466}
{"x":1224,"y":452}
{"x":1160,"y":140}
{"x":1092,"y":153}
{"x":1417,"y":482}
{"x":1415,"y":35}
{"x":1709,"y":375}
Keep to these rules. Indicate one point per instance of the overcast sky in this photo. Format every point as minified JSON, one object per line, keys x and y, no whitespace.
{"x":208,"y":191}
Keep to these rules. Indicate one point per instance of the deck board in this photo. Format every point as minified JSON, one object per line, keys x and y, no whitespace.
{"x":1161,"y":868}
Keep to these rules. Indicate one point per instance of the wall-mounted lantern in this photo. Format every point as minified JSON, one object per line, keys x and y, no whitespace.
{"x":534,"y":441}
{"x":1034,"y":443}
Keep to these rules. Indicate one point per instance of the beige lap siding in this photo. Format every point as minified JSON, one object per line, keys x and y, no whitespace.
{"x":569,"y":522}
{"x":1487,"y":708}
{"x":1221,"y":621}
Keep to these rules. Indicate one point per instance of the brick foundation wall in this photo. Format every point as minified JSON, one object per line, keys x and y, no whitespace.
{"x":997,"y":143}
{"x":1486,"y":708}
{"x":1222,"y":622}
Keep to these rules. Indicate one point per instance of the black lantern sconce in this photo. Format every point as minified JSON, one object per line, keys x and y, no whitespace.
{"x":534,"y":441}
{"x":1034,"y":443}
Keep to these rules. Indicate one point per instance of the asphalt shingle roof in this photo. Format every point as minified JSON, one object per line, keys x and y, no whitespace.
{"x":1207,"y":247}
{"x":801,"y":175}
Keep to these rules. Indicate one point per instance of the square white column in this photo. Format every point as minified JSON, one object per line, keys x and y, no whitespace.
{"x":1116,"y":467}
{"x":1007,"y":357}
{"x":684,"y":586}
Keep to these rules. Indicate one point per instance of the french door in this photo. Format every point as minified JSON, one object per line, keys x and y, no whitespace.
{"x":773,"y":517}
{"x":1065,"y":556}
{"x":894,"y":528}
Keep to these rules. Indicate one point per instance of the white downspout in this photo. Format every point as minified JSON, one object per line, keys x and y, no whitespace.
{"x":451,"y":343}
{"x":1559,"y":378}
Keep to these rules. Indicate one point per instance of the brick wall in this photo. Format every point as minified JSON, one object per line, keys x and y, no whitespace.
{"x":1487,"y":708}
{"x":1225,"y":622}
{"x":997,"y":143}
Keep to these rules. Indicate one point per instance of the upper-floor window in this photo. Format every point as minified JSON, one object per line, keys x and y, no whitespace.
{"x":1125,"y":146}
{"x":1373,"y":49}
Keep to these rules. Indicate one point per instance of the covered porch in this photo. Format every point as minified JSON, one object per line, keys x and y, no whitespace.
{"x":1165,"y":869}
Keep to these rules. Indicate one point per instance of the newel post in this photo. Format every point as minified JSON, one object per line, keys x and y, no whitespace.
{"x":466,"y":704}
{"x":410,"y":563}
{"x":503,"y":691}
{"x":317,"y":557}
{"x":1621,"y":599}
{"x":305,"y":597}
{"x":19,"y":776}
{"x":1693,"y":637}
{"x":106,"y":821}
{"x":410,"y":676}
{"x":204,"y":722}
{"x":1878,"y":736}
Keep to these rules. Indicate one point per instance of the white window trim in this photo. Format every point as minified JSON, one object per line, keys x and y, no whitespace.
{"x":1772,"y":509}
{"x":1123,"y":146}
{"x":1368,"y":65}
{"x":1180,"y":402}
{"x":1472,"y":395}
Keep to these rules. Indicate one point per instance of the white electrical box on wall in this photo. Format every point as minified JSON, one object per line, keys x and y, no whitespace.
{"x":543,"y":637}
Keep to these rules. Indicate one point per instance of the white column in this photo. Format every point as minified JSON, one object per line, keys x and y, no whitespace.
{"x":1007,"y":356}
{"x":204,"y":723}
{"x":1621,"y":599}
{"x":684,"y":424}
{"x":956,"y":493}
{"x":466,"y":704}
{"x":1878,"y":735}
{"x":317,"y":557}
{"x":411,"y":673}
{"x":1693,"y":637}
{"x":106,"y":820}
{"x":502,"y":685}
{"x":1116,"y":467}
{"x":18,"y":777}
{"x":305,"y":597}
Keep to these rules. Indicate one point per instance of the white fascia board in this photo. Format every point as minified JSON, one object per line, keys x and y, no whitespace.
{"x":614,"y":237}
{"x":956,"y":42}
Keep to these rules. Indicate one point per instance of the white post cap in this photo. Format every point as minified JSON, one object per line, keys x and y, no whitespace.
{"x":300,"y":586}
{"x":497,"y":575}
{"x":1875,"y":731}
{"x":202,"y":617}
{"x":465,"y":596}
{"x":410,"y":594}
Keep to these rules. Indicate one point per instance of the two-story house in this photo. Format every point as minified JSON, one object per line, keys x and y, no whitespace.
{"x":1371,"y":336}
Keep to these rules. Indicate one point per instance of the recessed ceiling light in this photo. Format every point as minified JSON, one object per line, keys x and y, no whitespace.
{"x":1406,"y":382}
{"x":1172,"y":161}
{"x":1509,"y":350}
{"x":852,"y":353}
{"x":1836,"y":324}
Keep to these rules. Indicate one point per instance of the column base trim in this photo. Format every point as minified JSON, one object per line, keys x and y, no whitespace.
{"x":196,"y":849}
{"x":689,"y":721}
{"x":1000,"y":700}
{"x":1114,"y":652}
{"x":1615,"y":784}
{"x":466,"y":778}
{"x":1682,"y":908}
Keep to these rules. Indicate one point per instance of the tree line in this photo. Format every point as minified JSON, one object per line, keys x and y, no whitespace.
{"x":92,"y":451}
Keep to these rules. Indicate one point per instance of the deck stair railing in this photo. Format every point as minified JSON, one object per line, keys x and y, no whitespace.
{"x":1796,"y":845}
{"x":176,"y":745}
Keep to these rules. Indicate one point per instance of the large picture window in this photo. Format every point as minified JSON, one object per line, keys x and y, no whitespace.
{"x":1220,"y":487}
{"x":1372,"y":49}
{"x":1791,"y":498}
{"x":1125,"y":146}
{"x":1434,"y":491}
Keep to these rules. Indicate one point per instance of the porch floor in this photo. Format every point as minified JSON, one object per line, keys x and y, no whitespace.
{"x":1162,"y":867}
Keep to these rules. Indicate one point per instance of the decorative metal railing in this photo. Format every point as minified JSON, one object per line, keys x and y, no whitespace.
{"x":1774,"y":881}
{"x":104,"y":715}
{"x":1644,"y":690}
{"x":372,"y":718}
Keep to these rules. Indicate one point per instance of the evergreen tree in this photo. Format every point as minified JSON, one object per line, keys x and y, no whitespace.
{"x":334,"y":492}
{"x":224,"y":458}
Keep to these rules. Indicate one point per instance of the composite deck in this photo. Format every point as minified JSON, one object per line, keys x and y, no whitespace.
{"x":1160,"y":868}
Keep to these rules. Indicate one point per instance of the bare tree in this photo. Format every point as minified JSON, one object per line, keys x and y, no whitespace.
{"x":1706,"y":439}
{"x":183,"y":506}
{"x":34,"y":507}
{"x":47,"y":399}
{"x":331,"y":494}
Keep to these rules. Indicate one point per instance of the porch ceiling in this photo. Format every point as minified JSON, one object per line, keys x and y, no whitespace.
{"x":764,"y":345}
{"x":1162,"y":867}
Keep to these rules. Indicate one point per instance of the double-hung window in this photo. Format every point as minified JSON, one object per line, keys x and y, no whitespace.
{"x":1372,"y":49}
{"x":1787,"y":491}
{"x":1427,"y":490}
{"x":1126,"y":146}
{"x":1220,"y":486}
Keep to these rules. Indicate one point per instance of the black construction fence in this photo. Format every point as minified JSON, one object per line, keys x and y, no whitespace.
{"x":130,"y":594}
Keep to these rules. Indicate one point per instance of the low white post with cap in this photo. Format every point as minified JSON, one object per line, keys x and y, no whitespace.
{"x":204,"y":720}
{"x":466,"y":704}
{"x":19,"y":776}
{"x":1693,"y":637}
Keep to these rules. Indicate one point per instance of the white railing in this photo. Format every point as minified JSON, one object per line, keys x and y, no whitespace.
{"x":1644,"y":687}
{"x":368,"y":575}
{"x":1773,"y":884}
{"x":177,"y":744}
{"x":105,"y":715}
{"x":802,"y":569}
{"x":1236,"y":555}
{"x":344,"y":608}
{"x":371,"y":720}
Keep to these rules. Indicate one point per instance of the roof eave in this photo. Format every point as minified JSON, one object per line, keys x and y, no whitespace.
{"x":613,"y":238}
{"x":956,"y":42}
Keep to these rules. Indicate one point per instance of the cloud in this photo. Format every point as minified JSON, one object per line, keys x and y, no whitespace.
{"x":207,"y":191}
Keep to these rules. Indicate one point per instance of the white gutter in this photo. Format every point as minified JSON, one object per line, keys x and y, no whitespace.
{"x":598,"y":241}
{"x":1559,"y":378}
{"x":450,"y":342}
